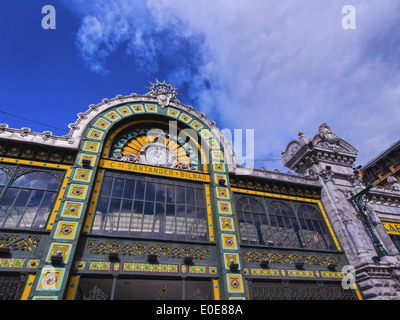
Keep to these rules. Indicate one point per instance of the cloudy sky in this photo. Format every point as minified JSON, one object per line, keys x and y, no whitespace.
{"x":277,"y":67}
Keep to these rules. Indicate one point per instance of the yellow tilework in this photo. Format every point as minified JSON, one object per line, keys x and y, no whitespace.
{"x":209,"y":214}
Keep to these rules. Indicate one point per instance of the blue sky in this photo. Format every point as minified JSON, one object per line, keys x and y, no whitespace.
{"x":277,"y":67}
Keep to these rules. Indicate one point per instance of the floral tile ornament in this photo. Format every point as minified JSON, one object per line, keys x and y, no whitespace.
{"x":50,"y":279}
{"x":229,"y":241}
{"x":235,"y":283}
{"x":66,"y":230}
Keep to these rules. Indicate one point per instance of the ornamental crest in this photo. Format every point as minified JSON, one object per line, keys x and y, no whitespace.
{"x":163,"y":92}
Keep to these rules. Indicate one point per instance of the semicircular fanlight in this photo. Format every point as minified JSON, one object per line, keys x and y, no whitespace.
{"x":154,"y":146}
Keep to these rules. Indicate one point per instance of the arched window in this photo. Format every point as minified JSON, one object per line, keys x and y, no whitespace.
{"x":285,"y":228}
{"x":312,"y":224}
{"x":28,"y":201}
{"x":253,"y":224}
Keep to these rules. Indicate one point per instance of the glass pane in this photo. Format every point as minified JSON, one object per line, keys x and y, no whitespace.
{"x":148,"y":219}
{"x":159,"y":225}
{"x":190,"y":200}
{"x":106,"y":188}
{"x":180,"y":195}
{"x":139,"y":192}
{"x":161,"y":193}
{"x":44,"y":210}
{"x":3,"y":178}
{"x":118,"y":188}
{"x":170,"y":194}
{"x":169,"y":210}
{"x":201,"y":225}
{"x":150,"y":191}
{"x":191,"y":220}
{"x":200,"y":201}
{"x":198,"y":290}
{"x":129,"y":189}
{"x":94,"y":288}
{"x":137,"y":216}
{"x":9,"y":197}
{"x":181,"y":222}
{"x":145,"y":289}
{"x":170,"y":225}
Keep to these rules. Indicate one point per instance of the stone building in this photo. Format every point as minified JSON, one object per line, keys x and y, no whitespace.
{"x":357,"y":210}
{"x":143,"y":199}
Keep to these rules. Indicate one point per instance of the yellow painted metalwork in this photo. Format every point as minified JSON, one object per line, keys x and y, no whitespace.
{"x":216,"y":289}
{"x":28,"y":287}
{"x":274,"y":195}
{"x":357,"y":292}
{"x":73,"y":285}
{"x":93,"y":201}
{"x":209,"y":214}
{"x":392,"y":228}
{"x":329,"y":226}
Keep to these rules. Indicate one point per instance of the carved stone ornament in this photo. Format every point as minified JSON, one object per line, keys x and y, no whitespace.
{"x":163,"y":92}
{"x":393,"y":181}
{"x":329,"y":139}
{"x":326,"y":175}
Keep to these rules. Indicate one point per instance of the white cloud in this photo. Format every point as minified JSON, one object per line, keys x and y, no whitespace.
{"x":278,"y":67}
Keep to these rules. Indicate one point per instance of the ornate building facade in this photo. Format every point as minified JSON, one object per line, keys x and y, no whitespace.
{"x":143,"y":199}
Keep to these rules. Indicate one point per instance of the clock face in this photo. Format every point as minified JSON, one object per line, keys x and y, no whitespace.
{"x":158,"y":155}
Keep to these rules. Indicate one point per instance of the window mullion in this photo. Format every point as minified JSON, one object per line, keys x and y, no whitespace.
{"x":108,"y":206}
{"x":132,"y":206}
{"x":39,"y":206}
{"x":144,"y":206}
{"x":120,"y":206}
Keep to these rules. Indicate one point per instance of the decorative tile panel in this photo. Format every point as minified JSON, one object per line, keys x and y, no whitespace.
{"x":228,"y":241}
{"x":72,"y":209}
{"x":83,"y":175}
{"x":173,"y":112}
{"x":124,"y":111}
{"x":224,"y":207}
{"x":77,"y":191}
{"x":151,"y":108}
{"x":59,"y":249}
{"x":91,"y":146}
{"x":231,"y":258}
{"x":226,"y":224}
{"x":235,"y":283}
{"x":196,"y":125}
{"x":113,"y":116}
{"x":185,"y":118}
{"x":50,"y":279}
{"x":156,"y":268}
{"x":102,"y":124}
{"x":222,"y":192}
{"x":66,"y":230}
{"x":137,"y":108}
{"x":12,"y":263}
{"x":95,"y":134}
